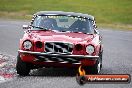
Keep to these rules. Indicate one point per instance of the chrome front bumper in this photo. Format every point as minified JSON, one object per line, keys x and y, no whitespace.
{"x":59,"y":55}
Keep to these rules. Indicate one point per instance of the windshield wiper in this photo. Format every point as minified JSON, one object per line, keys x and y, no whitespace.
{"x":62,"y":31}
{"x":40,"y":27}
{"x":80,"y":32}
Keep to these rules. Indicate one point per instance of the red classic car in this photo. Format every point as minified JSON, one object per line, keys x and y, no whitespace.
{"x":60,"y":39}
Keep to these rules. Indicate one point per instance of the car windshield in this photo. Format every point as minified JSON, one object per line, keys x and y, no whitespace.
{"x":63,"y":24}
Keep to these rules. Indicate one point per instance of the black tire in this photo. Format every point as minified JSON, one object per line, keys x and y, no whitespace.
{"x":100,"y":58}
{"x":95,"y":69}
{"x":98,"y":66}
{"x":22,"y":68}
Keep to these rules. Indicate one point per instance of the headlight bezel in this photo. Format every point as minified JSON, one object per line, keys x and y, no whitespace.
{"x":27,"y":45}
{"x":90,"y":49}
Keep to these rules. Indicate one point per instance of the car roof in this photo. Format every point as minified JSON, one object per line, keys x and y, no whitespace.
{"x":64,"y":13}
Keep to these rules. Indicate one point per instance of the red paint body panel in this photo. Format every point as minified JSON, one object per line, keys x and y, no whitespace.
{"x":67,"y":37}
{"x":30,"y":59}
{"x":49,"y":36}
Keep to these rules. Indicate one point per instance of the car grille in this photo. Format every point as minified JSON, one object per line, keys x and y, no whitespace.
{"x":58,"y":47}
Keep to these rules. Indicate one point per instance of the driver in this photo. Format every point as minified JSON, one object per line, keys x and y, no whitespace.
{"x":49,"y":23}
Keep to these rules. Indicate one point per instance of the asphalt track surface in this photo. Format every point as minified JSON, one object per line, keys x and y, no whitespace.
{"x":117,"y":59}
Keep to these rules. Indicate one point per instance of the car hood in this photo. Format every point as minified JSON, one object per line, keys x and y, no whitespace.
{"x":50,"y":36}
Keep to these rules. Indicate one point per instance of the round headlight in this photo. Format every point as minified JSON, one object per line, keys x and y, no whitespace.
{"x":90,"y":49}
{"x":27,"y":44}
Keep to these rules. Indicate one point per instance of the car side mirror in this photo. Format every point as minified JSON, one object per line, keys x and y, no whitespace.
{"x":25,"y":26}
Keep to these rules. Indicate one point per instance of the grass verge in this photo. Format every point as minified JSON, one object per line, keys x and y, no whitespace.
{"x":109,"y":13}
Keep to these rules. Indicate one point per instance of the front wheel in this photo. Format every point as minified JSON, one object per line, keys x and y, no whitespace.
{"x":98,"y":66}
{"x":95,"y":69}
{"x":22,"y":68}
